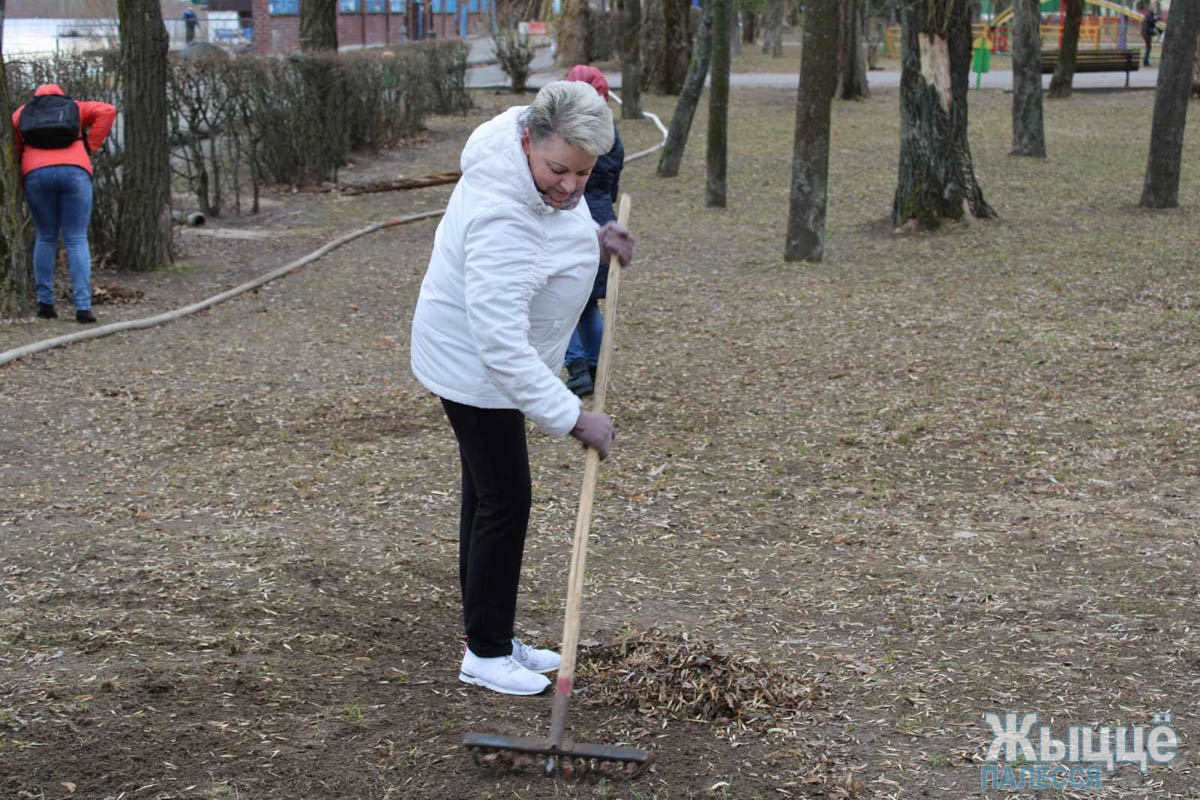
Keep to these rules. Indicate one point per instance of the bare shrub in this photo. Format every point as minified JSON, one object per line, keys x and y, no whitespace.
{"x":446,"y":74}
{"x":238,"y":124}
{"x":515,"y":53}
{"x":252,"y":121}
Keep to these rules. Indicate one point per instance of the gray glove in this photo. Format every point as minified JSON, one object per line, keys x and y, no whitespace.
{"x":594,"y":429}
{"x":615,"y":240}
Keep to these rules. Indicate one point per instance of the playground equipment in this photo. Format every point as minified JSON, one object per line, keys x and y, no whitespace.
{"x":1096,"y":32}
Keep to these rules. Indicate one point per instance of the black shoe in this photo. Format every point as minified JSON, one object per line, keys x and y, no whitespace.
{"x":579,"y":378}
{"x":85,"y":316}
{"x":46,"y":311}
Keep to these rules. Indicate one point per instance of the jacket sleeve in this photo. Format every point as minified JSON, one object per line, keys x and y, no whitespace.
{"x":500,"y":278}
{"x":618,"y":153}
{"x":603,"y":184}
{"x":97,"y":119}
{"x":20,"y":143}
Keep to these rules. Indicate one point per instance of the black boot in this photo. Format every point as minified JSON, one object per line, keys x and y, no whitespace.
{"x":85,"y":316}
{"x":579,"y":378}
{"x":46,"y":311}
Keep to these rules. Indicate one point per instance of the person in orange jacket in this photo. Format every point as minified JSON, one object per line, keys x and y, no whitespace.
{"x":55,"y":136}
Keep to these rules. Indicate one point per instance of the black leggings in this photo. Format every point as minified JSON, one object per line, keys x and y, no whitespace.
{"x":496,"y":496}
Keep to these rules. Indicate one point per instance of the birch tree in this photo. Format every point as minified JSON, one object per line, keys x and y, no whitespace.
{"x":1064,"y":70}
{"x":851,"y":61}
{"x":773,"y":29}
{"x":718,"y":108}
{"x":689,"y":96}
{"x":631,"y":60}
{"x":936,"y":176}
{"x":1161,"y":187}
{"x":810,"y":150}
{"x":1028,"y":130}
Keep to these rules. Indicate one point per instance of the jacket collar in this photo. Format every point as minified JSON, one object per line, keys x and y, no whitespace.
{"x":494,"y":160}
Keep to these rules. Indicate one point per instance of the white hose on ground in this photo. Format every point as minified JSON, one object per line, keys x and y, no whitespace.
{"x":170,"y":316}
{"x":657,"y":122}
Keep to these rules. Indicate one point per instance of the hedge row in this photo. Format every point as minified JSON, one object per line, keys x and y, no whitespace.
{"x":239,"y":124}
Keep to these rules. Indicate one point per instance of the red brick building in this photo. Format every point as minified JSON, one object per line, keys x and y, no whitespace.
{"x":371,"y":23}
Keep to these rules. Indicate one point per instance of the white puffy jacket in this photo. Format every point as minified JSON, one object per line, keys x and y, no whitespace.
{"x":507,"y":280}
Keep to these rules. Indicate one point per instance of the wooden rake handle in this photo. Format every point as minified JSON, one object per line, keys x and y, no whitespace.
{"x":583,"y":520}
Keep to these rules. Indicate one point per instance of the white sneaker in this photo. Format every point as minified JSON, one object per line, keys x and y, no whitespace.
{"x":504,"y":674}
{"x":533,"y":659}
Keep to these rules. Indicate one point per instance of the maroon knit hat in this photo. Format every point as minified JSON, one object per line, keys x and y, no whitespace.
{"x":590,"y":75}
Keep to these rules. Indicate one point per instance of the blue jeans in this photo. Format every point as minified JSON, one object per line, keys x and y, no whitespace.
{"x":585,"y":341}
{"x":60,"y":199}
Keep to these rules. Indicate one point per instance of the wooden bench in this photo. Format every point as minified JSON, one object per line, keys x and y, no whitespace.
{"x":1097,"y":61}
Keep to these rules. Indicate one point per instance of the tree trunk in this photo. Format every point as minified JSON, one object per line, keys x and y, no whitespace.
{"x":718,"y":107}
{"x":1161,"y":189}
{"x":1064,"y":71}
{"x":851,"y":61}
{"x":631,"y":61}
{"x":773,"y":29}
{"x":1196,"y":72}
{"x":936,"y":176}
{"x":318,"y":25}
{"x":324,"y":88}
{"x":16,"y":280}
{"x":144,"y":219}
{"x":675,"y":45}
{"x":749,"y":26}
{"x":570,"y":33}
{"x":735,"y":29}
{"x":810,"y":151}
{"x":689,"y":97}
{"x":1028,"y":132}
{"x":777,"y":42}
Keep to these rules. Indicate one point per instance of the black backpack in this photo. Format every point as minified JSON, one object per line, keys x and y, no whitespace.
{"x":50,"y":122}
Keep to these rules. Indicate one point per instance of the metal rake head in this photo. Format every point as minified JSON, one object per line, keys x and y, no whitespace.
{"x":571,"y":760}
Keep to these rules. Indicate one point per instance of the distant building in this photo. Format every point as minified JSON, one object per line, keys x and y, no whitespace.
{"x":369,"y":23}
{"x":60,"y":9}
{"x":39,"y":27}
{"x":244,"y":9}
{"x":273,"y":26}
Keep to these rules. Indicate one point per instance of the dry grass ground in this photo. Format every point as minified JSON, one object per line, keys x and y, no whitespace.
{"x":753,"y":59}
{"x":936,"y":475}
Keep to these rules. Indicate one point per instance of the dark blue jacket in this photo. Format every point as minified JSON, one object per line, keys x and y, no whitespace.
{"x":1149,"y":24}
{"x":601,"y":195}
{"x":601,"y":189}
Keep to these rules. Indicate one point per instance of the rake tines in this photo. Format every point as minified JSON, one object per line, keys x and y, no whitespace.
{"x":571,"y":760}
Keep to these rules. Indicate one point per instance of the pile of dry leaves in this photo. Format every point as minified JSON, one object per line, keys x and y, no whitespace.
{"x":664,"y":675}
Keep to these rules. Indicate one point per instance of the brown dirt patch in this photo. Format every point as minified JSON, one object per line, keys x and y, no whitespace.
{"x":937,"y":475}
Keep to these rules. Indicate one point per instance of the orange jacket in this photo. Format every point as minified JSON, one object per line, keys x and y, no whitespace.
{"x":94,"y":117}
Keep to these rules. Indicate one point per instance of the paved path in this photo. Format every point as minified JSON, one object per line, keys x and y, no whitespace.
{"x":491,"y":76}
{"x":487,"y":74}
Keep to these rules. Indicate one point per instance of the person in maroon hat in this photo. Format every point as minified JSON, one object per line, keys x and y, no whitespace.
{"x":583,"y":352}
